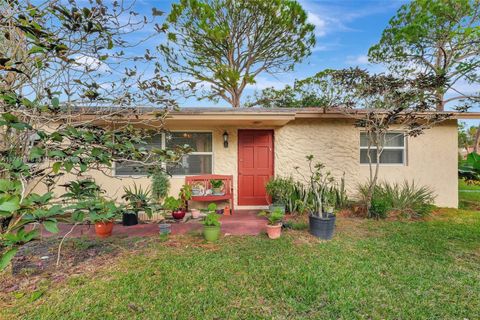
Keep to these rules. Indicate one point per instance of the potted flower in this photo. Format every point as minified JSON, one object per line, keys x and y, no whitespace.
{"x":138,"y":200}
{"x":175,"y":206}
{"x":211,"y":225}
{"x":274,"y":226}
{"x":321,"y":222}
{"x":216,"y":186}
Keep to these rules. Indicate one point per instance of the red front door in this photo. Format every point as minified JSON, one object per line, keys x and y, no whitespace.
{"x":255,"y":166}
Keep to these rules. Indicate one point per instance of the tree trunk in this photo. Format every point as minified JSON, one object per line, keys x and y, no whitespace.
{"x":477,"y":140}
{"x":235,"y":101}
{"x":440,"y":102}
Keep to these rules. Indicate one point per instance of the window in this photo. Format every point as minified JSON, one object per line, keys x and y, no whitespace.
{"x":393,"y":150}
{"x":199,"y":161}
{"x":134,"y":169}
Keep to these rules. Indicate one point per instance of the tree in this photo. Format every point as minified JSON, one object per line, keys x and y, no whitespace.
{"x":438,"y":37}
{"x":226,"y":44}
{"x":377,"y":103}
{"x":466,"y":136}
{"x":60,"y":79}
{"x":305,"y":93}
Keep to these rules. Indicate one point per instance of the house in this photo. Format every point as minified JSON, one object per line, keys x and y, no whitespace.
{"x":255,"y":144}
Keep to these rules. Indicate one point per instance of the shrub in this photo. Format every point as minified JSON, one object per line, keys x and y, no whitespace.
{"x":160,"y":185}
{"x":407,"y":199}
{"x":379,"y":208}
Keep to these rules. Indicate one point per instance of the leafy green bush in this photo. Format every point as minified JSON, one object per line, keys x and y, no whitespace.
{"x":469,"y":169}
{"x":160,"y":185}
{"x":406,"y":199}
{"x":379,"y":207}
{"x":299,"y":198}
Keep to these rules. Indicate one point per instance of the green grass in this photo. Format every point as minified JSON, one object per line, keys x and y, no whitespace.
{"x":467,"y":198}
{"x":371,"y":270}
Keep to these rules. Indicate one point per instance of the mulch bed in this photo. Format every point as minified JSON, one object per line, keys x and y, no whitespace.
{"x":37,"y":260}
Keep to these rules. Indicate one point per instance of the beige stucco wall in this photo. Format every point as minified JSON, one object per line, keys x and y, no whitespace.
{"x":431,"y":158}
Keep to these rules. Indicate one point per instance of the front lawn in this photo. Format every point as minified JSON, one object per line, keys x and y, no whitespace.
{"x":468,"y":195}
{"x":371,"y":270}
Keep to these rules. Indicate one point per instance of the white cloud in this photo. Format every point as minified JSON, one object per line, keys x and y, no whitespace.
{"x":319,"y":23}
{"x":91,"y":64}
{"x":357,"y":60}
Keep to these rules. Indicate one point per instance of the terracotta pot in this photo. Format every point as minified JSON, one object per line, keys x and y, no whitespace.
{"x":104,"y":229}
{"x":275,"y":231}
{"x":178,"y":214}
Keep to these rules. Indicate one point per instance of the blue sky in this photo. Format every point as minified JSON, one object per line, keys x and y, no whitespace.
{"x":345,"y":30}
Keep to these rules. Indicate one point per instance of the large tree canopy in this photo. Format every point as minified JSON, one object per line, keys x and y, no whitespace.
{"x":55,"y":55}
{"x":439,"y":37}
{"x":225,"y":44}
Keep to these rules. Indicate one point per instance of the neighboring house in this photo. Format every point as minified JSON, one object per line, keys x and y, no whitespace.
{"x":267,"y":142}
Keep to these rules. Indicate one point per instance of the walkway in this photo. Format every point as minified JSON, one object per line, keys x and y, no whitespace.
{"x":242,"y":223}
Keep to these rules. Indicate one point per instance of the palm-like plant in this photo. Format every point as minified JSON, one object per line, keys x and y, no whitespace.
{"x":138,"y":197}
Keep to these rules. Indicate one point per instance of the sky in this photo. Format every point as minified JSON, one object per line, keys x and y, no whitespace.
{"x":345,"y":30}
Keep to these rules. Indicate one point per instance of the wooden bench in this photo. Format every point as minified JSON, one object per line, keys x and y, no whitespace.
{"x":204,"y":181}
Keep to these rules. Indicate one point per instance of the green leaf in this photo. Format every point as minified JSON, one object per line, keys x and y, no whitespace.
{"x":36,"y":49}
{"x":56,"y":153}
{"x":56,"y":167}
{"x":55,"y":102}
{"x":9,"y":203}
{"x":6,"y":257}
{"x":68,"y":166}
{"x":36,"y":153}
{"x":36,"y":295}
{"x":51,"y":226}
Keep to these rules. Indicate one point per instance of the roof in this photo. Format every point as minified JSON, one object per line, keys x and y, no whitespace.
{"x":300,"y":112}
{"x":256,"y":116}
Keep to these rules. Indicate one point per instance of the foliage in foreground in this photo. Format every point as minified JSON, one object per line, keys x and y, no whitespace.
{"x":371,"y":270}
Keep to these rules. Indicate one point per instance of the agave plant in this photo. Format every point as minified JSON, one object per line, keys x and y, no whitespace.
{"x":138,"y":197}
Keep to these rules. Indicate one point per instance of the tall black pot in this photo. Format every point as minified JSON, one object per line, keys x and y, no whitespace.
{"x":129,"y":219}
{"x":322,"y":228}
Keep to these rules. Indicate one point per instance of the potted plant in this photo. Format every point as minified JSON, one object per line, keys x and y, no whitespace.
{"x":274,"y":226}
{"x":100,"y":212}
{"x":174,"y":205}
{"x":216,"y":186}
{"x":321,"y":222}
{"x":138,"y":200}
{"x":211,"y":225}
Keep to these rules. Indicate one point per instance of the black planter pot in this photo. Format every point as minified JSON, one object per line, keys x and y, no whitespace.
{"x":322,"y":228}
{"x":129,"y":219}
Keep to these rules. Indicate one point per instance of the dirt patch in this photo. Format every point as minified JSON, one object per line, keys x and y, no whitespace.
{"x":35,"y":265}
